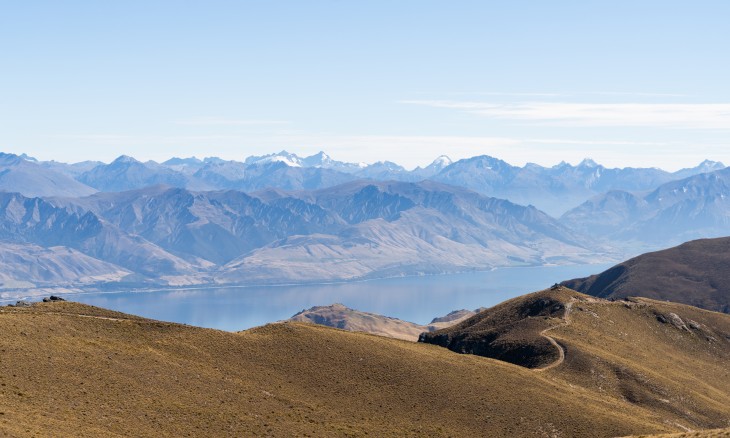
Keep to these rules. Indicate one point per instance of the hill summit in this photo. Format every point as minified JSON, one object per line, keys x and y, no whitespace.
{"x":695,"y":273}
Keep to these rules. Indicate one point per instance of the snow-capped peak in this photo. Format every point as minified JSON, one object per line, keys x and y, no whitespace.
{"x":441,"y":162}
{"x":389,"y":165}
{"x":711,"y":165}
{"x":587,"y":162}
{"x":319,"y":159}
{"x":28,"y":158}
{"x":291,"y":160}
{"x":125,"y":159}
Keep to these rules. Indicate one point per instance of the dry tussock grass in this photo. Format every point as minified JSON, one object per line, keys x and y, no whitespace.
{"x":63,"y":373}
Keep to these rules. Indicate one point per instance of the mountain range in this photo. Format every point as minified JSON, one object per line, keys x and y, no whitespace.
{"x":553,"y":189}
{"x":163,"y":235}
{"x":282,"y":218}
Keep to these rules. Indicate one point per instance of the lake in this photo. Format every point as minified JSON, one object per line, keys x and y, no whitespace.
{"x":416,"y":299}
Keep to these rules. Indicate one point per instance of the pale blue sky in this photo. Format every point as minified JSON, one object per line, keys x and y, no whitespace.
{"x":640,"y":83}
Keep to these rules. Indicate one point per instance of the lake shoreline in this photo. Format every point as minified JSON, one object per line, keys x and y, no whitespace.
{"x":66,"y":293}
{"x":416,"y":298}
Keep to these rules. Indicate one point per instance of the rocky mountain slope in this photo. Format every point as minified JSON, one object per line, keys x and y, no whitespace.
{"x":695,"y":273}
{"x":216,"y":226}
{"x":415,"y":228}
{"x":365,"y":228}
{"x":29,"y":265}
{"x":74,"y":370}
{"x":171,"y":236}
{"x":104,"y":251}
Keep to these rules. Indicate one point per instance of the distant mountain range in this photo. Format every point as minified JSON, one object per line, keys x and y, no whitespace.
{"x":674,"y":212}
{"x":553,"y":189}
{"x":282,"y":218}
{"x":22,"y":174}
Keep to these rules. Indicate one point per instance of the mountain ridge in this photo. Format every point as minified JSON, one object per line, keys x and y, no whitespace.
{"x":553,"y":189}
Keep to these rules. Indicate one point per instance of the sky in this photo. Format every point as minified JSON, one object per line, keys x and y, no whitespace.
{"x":626,"y":83}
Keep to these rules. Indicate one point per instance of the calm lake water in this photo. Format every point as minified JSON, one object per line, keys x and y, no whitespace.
{"x":416,"y":299}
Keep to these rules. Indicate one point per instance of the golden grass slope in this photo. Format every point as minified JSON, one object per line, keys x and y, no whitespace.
{"x":670,"y":359}
{"x":72,"y":370}
{"x":715,"y":433}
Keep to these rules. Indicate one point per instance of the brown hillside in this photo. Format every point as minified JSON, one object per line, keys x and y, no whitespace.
{"x":664,"y":357}
{"x":72,"y":370}
{"x":695,"y":273}
{"x":715,"y":433}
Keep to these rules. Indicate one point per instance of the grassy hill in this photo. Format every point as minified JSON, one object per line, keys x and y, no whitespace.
{"x":68,"y":369}
{"x":695,"y":273}
{"x":714,"y":433}
{"x":667,"y":358}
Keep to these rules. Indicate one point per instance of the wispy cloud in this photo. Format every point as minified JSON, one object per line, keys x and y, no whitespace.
{"x":216,"y":121}
{"x":549,"y":95}
{"x":632,"y":93}
{"x":665,"y":115}
{"x":496,"y":93}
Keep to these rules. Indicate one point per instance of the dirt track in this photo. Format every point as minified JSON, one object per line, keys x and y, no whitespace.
{"x":561,"y":350}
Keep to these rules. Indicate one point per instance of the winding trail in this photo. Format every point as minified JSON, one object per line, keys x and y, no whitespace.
{"x":561,"y":350}
{"x":108,"y":318}
{"x":79,"y":315}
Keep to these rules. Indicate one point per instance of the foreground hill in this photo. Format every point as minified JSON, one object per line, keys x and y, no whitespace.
{"x":670,"y":359}
{"x":74,"y":370}
{"x":341,"y":317}
{"x":714,"y":433}
{"x":695,"y":273}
